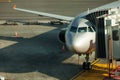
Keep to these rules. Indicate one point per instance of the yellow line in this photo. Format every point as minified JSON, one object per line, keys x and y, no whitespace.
{"x":92,"y":63}
{"x":77,"y":74}
{"x":95,"y":62}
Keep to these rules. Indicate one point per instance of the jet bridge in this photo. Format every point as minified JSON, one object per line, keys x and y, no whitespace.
{"x":108,"y":34}
{"x":107,"y":24}
{"x":112,"y":28}
{"x":100,"y":33}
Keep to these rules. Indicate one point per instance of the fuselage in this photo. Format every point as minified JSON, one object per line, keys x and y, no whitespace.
{"x":80,"y":36}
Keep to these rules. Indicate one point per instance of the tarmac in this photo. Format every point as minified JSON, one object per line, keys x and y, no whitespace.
{"x":62,"y":7}
{"x":33,"y":52}
{"x":99,"y":71}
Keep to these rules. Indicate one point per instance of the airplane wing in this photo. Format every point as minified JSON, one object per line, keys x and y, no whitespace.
{"x":104,"y":7}
{"x":60,"y":17}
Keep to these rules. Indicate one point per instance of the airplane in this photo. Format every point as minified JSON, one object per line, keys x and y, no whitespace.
{"x":80,"y":35}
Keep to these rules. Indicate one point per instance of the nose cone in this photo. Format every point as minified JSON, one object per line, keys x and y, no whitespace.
{"x":78,"y":43}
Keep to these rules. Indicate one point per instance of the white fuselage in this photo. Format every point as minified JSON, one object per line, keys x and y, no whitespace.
{"x":80,"y":36}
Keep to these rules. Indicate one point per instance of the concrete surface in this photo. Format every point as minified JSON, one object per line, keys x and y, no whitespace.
{"x":61,"y":7}
{"x":35,"y":54}
{"x":99,"y":71}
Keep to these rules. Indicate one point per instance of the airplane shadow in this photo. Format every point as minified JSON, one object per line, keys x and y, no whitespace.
{"x":41,"y":53}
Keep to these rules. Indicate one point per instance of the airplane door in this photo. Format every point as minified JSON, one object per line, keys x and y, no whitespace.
{"x":116,"y":42}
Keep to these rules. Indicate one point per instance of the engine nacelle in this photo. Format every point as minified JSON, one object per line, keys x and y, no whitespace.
{"x":61,"y":36}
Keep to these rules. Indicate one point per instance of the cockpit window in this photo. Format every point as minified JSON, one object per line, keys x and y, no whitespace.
{"x":73,"y":29}
{"x":90,"y":29}
{"x":82,"y":29}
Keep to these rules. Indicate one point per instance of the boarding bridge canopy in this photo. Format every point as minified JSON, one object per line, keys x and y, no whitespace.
{"x":112,"y":24}
{"x":107,"y":28}
{"x":99,"y":28}
{"x":98,"y":19}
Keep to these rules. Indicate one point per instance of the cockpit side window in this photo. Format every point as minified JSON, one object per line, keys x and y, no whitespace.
{"x":82,"y":29}
{"x":73,"y":29}
{"x":90,"y":29}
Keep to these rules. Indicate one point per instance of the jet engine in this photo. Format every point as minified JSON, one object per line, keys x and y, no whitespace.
{"x":61,"y":36}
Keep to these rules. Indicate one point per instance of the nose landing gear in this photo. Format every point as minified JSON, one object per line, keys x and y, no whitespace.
{"x":87,"y":64}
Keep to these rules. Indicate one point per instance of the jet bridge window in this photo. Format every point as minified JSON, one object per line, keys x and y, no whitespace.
{"x":82,"y":29}
{"x":73,"y":29}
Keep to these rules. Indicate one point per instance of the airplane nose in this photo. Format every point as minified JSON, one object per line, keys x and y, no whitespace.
{"x":79,"y":45}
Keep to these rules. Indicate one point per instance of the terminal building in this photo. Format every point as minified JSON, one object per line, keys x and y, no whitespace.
{"x":112,"y":32}
{"x":106,"y":23}
{"x":108,"y":33}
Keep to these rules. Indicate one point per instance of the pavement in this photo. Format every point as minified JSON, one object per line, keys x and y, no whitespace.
{"x":99,"y":71}
{"x":35,"y":52}
{"x":62,"y":7}
{"x":91,"y":75}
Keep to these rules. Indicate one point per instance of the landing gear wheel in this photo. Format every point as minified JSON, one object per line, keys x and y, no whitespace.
{"x":86,"y":65}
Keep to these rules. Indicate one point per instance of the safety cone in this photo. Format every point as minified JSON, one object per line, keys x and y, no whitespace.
{"x":15,"y":34}
{"x":63,"y":48}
